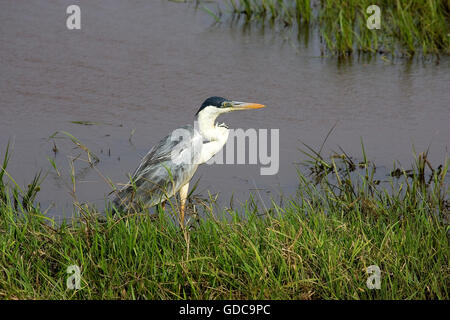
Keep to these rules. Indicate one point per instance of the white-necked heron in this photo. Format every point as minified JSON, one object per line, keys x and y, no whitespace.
{"x":170,"y":165}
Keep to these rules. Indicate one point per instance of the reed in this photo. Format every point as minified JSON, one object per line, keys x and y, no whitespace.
{"x":407,"y":26}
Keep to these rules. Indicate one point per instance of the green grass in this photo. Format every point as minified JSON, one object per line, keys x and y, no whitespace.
{"x":318,"y":245}
{"x":407,"y":26}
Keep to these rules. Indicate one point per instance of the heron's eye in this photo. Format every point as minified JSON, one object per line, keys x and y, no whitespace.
{"x":226,"y":104}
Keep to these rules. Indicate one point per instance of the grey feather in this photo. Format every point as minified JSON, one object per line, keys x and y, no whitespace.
{"x":167,"y":167}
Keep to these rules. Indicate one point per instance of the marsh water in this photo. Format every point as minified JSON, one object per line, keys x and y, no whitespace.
{"x":139,"y":69}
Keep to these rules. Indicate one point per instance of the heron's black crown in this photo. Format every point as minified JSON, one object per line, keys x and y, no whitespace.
{"x":212,"y":101}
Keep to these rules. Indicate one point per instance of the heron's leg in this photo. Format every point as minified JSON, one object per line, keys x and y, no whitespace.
{"x":183,"y":196}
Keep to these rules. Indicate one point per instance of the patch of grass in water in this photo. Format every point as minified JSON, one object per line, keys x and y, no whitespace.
{"x":407,"y":27}
{"x":85,"y":123}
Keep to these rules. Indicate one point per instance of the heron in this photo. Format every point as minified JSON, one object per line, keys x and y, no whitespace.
{"x":170,"y":165}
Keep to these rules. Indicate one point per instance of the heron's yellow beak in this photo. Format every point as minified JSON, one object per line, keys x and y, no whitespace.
{"x":236,"y":105}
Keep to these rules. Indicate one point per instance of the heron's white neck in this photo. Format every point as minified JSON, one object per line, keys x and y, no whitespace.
{"x":216,"y":135}
{"x":208,"y":127}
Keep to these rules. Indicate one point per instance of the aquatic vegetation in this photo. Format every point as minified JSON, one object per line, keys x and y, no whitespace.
{"x":406,"y":27}
{"x":318,"y":245}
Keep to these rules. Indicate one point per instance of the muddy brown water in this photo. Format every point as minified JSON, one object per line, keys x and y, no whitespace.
{"x":140,"y":69}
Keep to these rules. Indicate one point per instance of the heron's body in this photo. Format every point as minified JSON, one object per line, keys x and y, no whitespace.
{"x":158,"y":176}
{"x":170,"y":165}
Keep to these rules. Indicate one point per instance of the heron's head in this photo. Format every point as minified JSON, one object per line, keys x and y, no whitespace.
{"x":214,"y":106}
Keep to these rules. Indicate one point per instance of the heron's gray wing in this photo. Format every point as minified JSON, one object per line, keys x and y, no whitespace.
{"x":163,"y":171}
